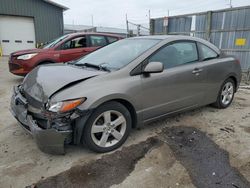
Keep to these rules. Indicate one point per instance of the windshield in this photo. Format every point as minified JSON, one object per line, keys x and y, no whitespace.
{"x":118,"y":54}
{"x":54,"y":42}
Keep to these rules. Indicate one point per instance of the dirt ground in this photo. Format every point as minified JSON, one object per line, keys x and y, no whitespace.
{"x":161,"y":154}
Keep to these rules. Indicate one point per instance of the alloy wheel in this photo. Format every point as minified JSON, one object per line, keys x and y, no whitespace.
{"x":227,"y":93}
{"x":108,"y":128}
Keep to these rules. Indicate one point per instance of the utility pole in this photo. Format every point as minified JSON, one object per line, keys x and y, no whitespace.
{"x":92,"y":20}
{"x":127,"y":25}
{"x":230,"y":4}
{"x":138,"y":30}
{"x":149,"y":17}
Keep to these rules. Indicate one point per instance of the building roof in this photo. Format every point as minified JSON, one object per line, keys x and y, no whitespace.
{"x":77,"y":27}
{"x":56,"y":4}
{"x":111,"y":30}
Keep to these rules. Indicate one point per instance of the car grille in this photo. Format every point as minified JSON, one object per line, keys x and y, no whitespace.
{"x":13,"y":66}
{"x":11,"y":58}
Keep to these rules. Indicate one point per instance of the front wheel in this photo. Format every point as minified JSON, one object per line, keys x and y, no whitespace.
{"x":107,"y":128}
{"x":226,"y":94}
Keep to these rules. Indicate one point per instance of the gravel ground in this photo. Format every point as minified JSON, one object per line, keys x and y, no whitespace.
{"x":155,"y":165}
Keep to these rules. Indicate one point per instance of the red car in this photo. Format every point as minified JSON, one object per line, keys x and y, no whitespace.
{"x":66,"y":48}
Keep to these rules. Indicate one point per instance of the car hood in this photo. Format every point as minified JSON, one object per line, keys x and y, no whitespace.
{"x":22,"y":52}
{"x":42,"y":82}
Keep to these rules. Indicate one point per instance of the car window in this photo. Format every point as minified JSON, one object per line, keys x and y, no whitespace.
{"x":78,"y":42}
{"x":96,"y":40}
{"x":207,"y":53}
{"x":112,"y":39}
{"x":176,"y":54}
{"x":54,"y":42}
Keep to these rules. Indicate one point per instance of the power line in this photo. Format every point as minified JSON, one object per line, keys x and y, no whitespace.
{"x":196,"y":6}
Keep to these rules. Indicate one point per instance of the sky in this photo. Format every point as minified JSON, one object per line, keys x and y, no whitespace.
{"x":112,"y":13}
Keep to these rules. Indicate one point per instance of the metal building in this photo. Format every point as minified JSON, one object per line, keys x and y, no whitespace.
{"x":25,"y":23}
{"x":68,"y":28}
{"x":228,"y":29}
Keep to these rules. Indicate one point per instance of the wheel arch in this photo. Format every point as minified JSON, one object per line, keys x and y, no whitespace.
{"x":81,"y":122}
{"x":125,"y":102}
{"x":130,"y":108}
{"x":44,"y":61}
{"x":235,"y":82}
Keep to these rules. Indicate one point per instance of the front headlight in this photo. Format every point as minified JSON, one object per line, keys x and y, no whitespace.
{"x":26,"y":56}
{"x":65,"y":106}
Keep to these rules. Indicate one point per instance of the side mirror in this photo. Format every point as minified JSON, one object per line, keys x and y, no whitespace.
{"x":154,"y":67}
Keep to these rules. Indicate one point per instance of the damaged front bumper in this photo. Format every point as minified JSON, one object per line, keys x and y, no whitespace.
{"x":48,"y":140}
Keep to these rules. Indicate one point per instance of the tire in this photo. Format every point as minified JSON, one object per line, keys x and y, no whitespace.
{"x":107,"y":128}
{"x":226,"y":94}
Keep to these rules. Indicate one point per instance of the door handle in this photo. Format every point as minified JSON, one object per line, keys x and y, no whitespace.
{"x":197,"y":71}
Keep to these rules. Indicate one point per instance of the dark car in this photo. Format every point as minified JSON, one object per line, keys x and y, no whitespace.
{"x":97,"y":99}
{"x":65,"y":48}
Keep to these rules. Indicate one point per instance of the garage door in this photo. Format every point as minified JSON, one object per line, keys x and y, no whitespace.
{"x":16,"y":33}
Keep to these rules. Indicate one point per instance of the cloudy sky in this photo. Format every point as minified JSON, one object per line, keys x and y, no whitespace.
{"x":112,"y":12}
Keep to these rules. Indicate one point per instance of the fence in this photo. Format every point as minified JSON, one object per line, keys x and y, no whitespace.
{"x":228,"y":29}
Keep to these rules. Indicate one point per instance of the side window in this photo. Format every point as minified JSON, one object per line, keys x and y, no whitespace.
{"x":96,"y":40}
{"x":207,"y":53}
{"x":176,"y":54}
{"x":112,"y":39}
{"x":79,"y":42}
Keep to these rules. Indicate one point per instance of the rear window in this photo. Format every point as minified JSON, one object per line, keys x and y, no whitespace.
{"x":97,"y":40}
{"x":207,"y":53}
{"x":112,"y":39}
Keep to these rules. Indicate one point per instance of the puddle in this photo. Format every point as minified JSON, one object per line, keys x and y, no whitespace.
{"x":207,"y":164}
{"x":109,"y":170}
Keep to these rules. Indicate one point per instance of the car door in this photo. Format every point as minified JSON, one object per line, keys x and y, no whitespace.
{"x":215,"y":74}
{"x":180,"y":86}
{"x":74,"y":48}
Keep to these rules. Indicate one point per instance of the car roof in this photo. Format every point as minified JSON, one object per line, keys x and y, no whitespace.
{"x":94,"y":33}
{"x":179,"y":37}
{"x":163,"y":37}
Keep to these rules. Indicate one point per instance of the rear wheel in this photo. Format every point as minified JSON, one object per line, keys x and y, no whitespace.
{"x":226,"y":94}
{"x":107,"y":128}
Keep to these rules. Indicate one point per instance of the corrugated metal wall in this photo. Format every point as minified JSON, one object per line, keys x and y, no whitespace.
{"x":228,"y":29}
{"x":48,"y":18}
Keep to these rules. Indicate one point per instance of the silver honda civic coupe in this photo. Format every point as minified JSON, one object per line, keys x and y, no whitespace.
{"x":98,"y":99}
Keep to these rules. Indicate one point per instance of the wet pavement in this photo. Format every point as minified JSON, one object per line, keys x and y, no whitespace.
{"x":207,"y":164}
{"x":102,"y":173}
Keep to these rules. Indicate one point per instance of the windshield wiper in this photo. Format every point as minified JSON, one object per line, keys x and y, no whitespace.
{"x":99,"y":67}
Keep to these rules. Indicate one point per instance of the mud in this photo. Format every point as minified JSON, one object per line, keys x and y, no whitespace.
{"x":206,"y":163}
{"x":109,"y":170}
